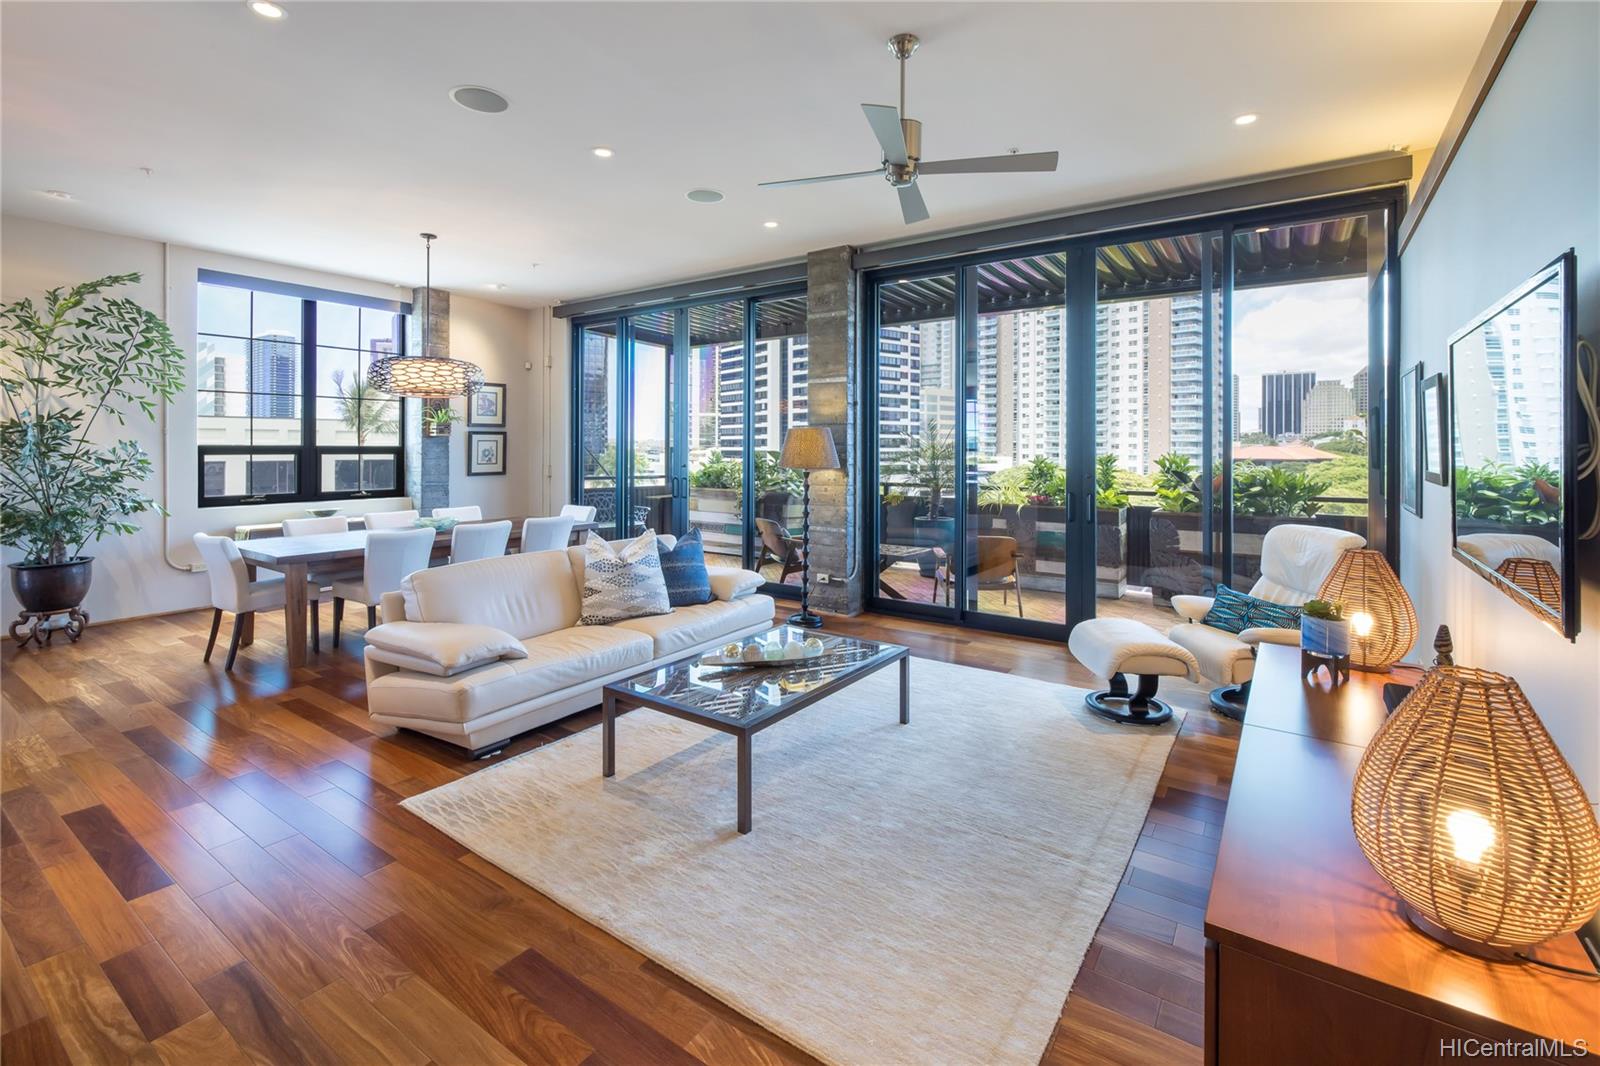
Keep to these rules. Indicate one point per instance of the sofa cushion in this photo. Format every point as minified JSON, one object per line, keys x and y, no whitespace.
{"x":731,"y":582}
{"x":622,"y":582}
{"x":683,"y":566}
{"x":525,"y":594}
{"x":556,"y":661}
{"x":441,"y":648}
{"x":1234,"y":611}
{"x":705,"y":623}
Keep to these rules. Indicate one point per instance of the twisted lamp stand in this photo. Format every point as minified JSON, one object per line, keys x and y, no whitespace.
{"x":804,"y":618}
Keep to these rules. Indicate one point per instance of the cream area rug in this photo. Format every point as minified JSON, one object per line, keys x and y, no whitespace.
{"x":909,"y":894}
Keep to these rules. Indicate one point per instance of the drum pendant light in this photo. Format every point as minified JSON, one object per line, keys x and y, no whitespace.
{"x":425,"y":376}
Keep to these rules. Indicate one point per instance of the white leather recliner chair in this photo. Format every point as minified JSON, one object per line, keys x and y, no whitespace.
{"x":1295,"y":561}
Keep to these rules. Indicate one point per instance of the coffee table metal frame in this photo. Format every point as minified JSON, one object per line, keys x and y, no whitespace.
{"x":617,"y":699}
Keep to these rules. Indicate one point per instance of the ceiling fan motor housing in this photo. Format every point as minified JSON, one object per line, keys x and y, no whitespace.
{"x":898,"y":174}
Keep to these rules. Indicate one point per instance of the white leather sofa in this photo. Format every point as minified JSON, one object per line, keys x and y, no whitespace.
{"x":476,"y":653}
{"x":1295,"y":561}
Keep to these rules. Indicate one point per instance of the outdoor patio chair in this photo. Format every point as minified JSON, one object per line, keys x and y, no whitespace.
{"x":997,"y":569}
{"x":777,"y":546}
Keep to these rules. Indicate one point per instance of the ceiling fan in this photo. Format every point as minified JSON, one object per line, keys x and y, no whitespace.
{"x":901,"y":140}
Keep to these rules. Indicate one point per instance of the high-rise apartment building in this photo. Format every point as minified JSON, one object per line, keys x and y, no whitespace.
{"x":274,"y":362}
{"x":778,"y":376}
{"x":1328,"y":408}
{"x":1283,"y":395}
{"x":1358,"y":392}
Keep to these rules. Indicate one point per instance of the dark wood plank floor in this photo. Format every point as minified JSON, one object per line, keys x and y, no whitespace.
{"x":209,"y":868}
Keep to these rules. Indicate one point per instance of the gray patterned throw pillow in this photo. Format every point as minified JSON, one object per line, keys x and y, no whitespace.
{"x":625,"y":582}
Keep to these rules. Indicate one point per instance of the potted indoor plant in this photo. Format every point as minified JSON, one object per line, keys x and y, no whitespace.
{"x":1324,"y":630}
{"x":82,"y":355}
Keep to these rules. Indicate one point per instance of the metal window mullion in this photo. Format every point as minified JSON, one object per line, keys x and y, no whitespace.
{"x":966,"y":385}
{"x":1208,"y":385}
{"x":747,"y":485}
{"x":622,"y":487}
{"x":308,"y":479}
{"x":1226,"y":415}
{"x":1081,"y":300}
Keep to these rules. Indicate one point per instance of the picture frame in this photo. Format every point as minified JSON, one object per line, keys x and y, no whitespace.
{"x":1411,"y":440}
{"x":486,"y":405}
{"x":1435,"y":431}
{"x":486,"y":454}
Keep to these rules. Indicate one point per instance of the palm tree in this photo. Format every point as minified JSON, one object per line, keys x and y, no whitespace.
{"x":931,"y":464}
{"x":364,"y":410}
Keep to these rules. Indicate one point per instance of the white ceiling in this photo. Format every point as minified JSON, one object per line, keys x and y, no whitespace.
{"x":327,"y":140}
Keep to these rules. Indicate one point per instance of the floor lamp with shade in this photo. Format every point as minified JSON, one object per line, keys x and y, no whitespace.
{"x":807,"y":448}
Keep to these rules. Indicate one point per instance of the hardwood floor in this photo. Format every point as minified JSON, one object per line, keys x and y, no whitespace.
{"x":209,"y":868}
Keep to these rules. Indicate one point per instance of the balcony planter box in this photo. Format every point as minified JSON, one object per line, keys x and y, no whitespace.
{"x":715,"y":512}
{"x":1111,"y":552}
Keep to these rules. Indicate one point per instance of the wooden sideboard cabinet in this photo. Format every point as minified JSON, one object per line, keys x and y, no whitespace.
{"x":1309,"y":959}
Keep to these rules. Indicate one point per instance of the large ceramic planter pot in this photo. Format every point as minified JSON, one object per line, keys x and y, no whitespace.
{"x":1111,"y":552}
{"x":1326,"y":637}
{"x":43,"y":588}
{"x":931,"y":532}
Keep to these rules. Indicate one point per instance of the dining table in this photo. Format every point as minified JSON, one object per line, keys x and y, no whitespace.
{"x":297,"y":558}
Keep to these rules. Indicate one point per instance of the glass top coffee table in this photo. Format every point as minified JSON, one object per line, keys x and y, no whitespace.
{"x":745,"y":700}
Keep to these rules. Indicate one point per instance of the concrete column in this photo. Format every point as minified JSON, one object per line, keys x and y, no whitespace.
{"x":833,"y":400}
{"x":427,"y":458}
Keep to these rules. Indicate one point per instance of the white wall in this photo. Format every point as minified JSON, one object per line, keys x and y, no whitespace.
{"x":146,"y":573}
{"x":1524,"y":188}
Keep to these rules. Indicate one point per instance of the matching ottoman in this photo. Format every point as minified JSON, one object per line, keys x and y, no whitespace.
{"x":1116,"y":647}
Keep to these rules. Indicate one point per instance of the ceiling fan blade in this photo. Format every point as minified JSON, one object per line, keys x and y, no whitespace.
{"x":886,"y":127}
{"x":911,"y":204}
{"x":992,"y":164}
{"x":822,"y":177}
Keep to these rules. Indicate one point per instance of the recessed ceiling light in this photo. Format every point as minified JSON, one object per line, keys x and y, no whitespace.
{"x":704,"y":196}
{"x":477,"y":98}
{"x":1246,"y":119}
{"x":770,"y":224}
{"x":267,"y":9}
{"x":602,"y":151}
{"x":1263,"y":229}
{"x":56,"y":194}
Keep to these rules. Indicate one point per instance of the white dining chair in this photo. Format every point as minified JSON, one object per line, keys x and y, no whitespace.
{"x":392,"y":555}
{"x":479,"y":540}
{"x":232,"y":590}
{"x":310,"y":527}
{"x":470,"y":513}
{"x":578,"y":512}
{"x":545,"y":534}
{"x":391,"y":520}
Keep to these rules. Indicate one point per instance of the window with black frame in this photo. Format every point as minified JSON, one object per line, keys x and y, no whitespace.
{"x":284,"y":411}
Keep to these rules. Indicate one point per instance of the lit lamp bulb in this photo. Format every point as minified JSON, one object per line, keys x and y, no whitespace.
{"x":1361,"y":624}
{"x":1471,"y":834}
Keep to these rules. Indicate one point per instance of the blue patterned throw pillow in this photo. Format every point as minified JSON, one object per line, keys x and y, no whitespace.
{"x":1235,"y":612}
{"x":684,"y":567}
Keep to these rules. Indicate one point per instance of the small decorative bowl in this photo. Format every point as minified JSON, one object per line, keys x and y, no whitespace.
{"x":322,"y":512}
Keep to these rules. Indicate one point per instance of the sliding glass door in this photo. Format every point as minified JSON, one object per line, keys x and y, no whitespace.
{"x":1095,"y":428}
{"x":679,"y":418}
{"x":656,"y":451}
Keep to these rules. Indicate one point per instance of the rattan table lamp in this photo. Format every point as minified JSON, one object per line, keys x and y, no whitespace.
{"x":1463,"y":804}
{"x":1383,"y":624}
